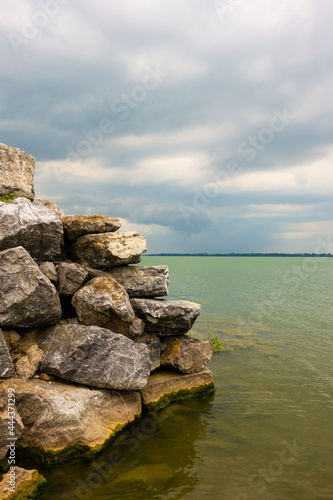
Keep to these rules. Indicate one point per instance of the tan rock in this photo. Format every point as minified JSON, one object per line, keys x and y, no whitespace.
{"x":185,"y":354}
{"x":8,"y":400}
{"x":28,"y":484}
{"x":27,"y":365}
{"x":12,"y":339}
{"x":17,"y":169}
{"x":80,"y":225}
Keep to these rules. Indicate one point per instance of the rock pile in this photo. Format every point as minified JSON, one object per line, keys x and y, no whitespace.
{"x":78,"y":324}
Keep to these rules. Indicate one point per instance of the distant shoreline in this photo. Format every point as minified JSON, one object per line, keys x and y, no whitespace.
{"x":238,"y":255}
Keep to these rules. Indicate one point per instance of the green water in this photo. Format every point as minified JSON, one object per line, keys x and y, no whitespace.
{"x":267,"y":431}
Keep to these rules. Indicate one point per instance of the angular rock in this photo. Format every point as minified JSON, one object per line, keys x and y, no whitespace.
{"x":165,"y":386}
{"x":26,"y":366}
{"x":36,"y":228}
{"x":49,"y":204}
{"x":94,"y":356}
{"x":80,"y":225}
{"x":104,"y":302}
{"x":12,"y":339}
{"x":27,"y":297}
{"x":28,"y":485}
{"x":166,"y":317}
{"x":71,"y":277}
{"x":62,"y":420}
{"x":49,"y":269}
{"x":108,"y":249}
{"x":6,"y":365}
{"x":17,"y":170}
{"x":143,"y":281}
{"x":8,"y":400}
{"x":185,"y":354}
{"x":153,"y":343}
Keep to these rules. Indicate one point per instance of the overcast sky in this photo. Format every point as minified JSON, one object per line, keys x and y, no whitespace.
{"x":205,"y":125}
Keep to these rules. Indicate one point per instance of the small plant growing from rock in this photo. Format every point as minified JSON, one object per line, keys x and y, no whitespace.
{"x":217,"y":345}
{"x":7,"y":198}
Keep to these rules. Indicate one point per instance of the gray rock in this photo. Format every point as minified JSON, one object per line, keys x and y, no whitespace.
{"x":36,"y":228}
{"x":143,"y":281}
{"x":70,"y":277}
{"x":27,"y":297}
{"x":94,"y":356}
{"x":153,"y":343}
{"x":49,"y":204}
{"x":6,"y":400}
{"x":108,"y":249}
{"x":49,"y":269}
{"x":104,"y":302}
{"x":17,"y":170}
{"x":166,"y":317}
{"x":185,"y":354}
{"x":80,"y":225}
{"x":6,"y":365}
{"x":27,"y":365}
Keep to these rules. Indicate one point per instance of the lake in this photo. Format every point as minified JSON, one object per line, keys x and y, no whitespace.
{"x":267,"y":431}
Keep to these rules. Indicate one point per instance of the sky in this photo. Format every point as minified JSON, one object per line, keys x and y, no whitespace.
{"x":205,"y":125}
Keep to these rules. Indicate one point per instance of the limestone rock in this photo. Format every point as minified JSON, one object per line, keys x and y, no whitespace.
{"x":80,"y":225}
{"x":35,"y":227}
{"x":71,"y":277}
{"x":12,"y":339}
{"x":49,"y":269}
{"x":94,"y":356}
{"x":17,"y":170}
{"x":143,"y":281}
{"x":153,"y":343}
{"x":6,"y":365}
{"x":7,"y":401}
{"x":166,"y":317}
{"x":108,"y":249}
{"x":26,"y":366}
{"x":165,"y":386}
{"x":28,"y":484}
{"x":27,"y":297}
{"x":49,"y":204}
{"x":63,"y":420}
{"x":185,"y":354}
{"x":104,"y":302}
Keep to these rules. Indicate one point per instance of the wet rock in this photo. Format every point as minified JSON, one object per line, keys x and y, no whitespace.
{"x":17,"y":169}
{"x":108,"y":249}
{"x":35,"y":227}
{"x":94,"y":356}
{"x":153,"y":343}
{"x":165,"y":386}
{"x":104,"y":302}
{"x":6,"y":365}
{"x":49,"y":269}
{"x":8,"y":399}
{"x":71,"y":277}
{"x":27,"y":297}
{"x":27,"y":365}
{"x":166,"y":317}
{"x":143,"y":281}
{"x":80,"y":225}
{"x":49,"y":204}
{"x":152,"y":476}
{"x":185,"y":354}
{"x":27,"y":484}
{"x":63,"y":420}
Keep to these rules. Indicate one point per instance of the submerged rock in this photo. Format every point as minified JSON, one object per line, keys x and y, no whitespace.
{"x":152,"y":476}
{"x":166,"y":317}
{"x":28,"y":484}
{"x":27,"y":297}
{"x":142,"y":281}
{"x":108,"y":249}
{"x":35,"y":227}
{"x":94,"y":356}
{"x":185,"y":354}
{"x":80,"y":225}
{"x":6,"y":365}
{"x":17,"y":169}
{"x":70,"y":277}
{"x":62,"y":421}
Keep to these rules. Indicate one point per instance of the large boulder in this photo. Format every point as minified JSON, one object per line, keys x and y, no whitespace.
{"x":70,"y":277}
{"x":21,"y":484}
{"x":27,"y":297}
{"x":63,"y":420}
{"x":17,"y":170}
{"x":6,"y":365}
{"x":104,"y":302}
{"x":80,"y":225}
{"x":108,"y":249}
{"x":94,"y":356}
{"x":143,"y":281}
{"x":166,"y":317}
{"x":7,"y":432}
{"x":185,"y":354}
{"x":35,"y":227}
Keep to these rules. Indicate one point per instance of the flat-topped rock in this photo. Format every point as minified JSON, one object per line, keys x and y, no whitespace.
{"x":165,"y":386}
{"x":185,"y":354}
{"x":27,"y":297}
{"x":166,"y":317}
{"x":94,"y":356}
{"x":17,"y":169}
{"x":25,"y":484}
{"x":6,"y":365}
{"x":35,"y":227}
{"x":62,"y":420}
{"x":108,"y":249}
{"x":80,"y":225}
{"x":142,"y":281}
